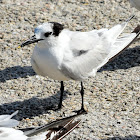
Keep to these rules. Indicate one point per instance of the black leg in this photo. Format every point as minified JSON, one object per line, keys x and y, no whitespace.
{"x":82,"y":110}
{"x":82,"y":95}
{"x":61,"y":95}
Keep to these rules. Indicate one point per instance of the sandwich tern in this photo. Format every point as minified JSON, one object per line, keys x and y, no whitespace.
{"x":62,"y":54}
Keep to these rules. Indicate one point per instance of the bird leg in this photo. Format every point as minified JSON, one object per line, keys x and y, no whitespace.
{"x":82,"y":95}
{"x":61,"y":95}
{"x":82,"y":110}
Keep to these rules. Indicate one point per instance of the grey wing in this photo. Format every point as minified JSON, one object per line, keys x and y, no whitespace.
{"x":87,"y":51}
{"x":92,"y":51}
{"x":120,"y":45}
{"x":83,"y":66}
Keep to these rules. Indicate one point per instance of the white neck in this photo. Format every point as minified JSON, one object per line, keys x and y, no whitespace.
{"x":48,"y":43}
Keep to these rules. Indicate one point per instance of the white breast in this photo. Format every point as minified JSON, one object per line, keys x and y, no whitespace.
{"x":46,"y":62}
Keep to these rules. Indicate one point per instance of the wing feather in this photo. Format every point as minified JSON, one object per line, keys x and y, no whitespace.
{"x":99,"y":47}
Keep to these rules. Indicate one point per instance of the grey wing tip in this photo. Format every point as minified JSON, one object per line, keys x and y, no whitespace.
{"x":61,"y":122}
{"x":131,"y":17}
{"x":64,"y":131}
{"x":15,"y":113}
{"x":137,"y":31}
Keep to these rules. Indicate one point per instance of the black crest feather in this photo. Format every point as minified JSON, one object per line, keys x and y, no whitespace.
{"x":57,"y":28}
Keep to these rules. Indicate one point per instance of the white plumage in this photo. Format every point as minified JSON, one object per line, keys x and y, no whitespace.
{"x":8,"y":133}
{"x":7,"y":121}
{"x":13,"y":134}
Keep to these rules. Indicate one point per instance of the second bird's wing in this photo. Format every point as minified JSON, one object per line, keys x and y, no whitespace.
{"x":6,"y":121}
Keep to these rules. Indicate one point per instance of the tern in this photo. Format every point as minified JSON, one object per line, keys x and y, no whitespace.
{"x":63,"y":55}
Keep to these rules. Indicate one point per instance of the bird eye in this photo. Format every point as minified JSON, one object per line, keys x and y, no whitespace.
{"x":47,"y":34}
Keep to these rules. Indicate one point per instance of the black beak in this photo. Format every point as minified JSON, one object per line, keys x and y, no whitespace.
{"x":30,"y":41}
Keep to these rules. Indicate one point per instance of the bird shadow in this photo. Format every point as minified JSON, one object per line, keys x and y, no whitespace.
{"x":34,"y":106}
{"x":128,"y":59}
{"x":15,"y":73}
{"x":130,"y":137}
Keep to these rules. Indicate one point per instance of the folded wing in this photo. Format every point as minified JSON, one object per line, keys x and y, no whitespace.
{"x":91,"y":53}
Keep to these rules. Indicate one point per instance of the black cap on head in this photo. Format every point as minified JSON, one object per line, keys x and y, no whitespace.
{"x":57,"y":28}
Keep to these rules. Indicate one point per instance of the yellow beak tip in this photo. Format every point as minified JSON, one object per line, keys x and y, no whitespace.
{"x":19,"y":47}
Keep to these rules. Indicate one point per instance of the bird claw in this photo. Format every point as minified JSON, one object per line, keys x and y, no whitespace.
{"x":57,"y":108}
{"x":81,"y":111}
{"x":60,"y":106}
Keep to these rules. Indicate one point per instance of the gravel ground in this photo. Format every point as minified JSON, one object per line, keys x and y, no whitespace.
{"x":112,"y":98}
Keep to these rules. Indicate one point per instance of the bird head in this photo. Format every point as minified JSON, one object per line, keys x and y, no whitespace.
{"x":44,"y":32}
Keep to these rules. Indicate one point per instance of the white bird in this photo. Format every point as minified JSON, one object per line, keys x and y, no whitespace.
{"x":62,"y":54}
{"x":6,"y":121}
{"x":8,"y":133}
{"x":135,"y":3}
